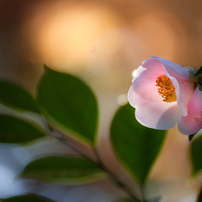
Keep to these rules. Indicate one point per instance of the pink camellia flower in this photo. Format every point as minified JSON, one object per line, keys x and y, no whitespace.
{"x":164,"y":93}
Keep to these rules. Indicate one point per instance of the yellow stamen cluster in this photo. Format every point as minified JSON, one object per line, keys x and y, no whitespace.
{"x":166,"y":88}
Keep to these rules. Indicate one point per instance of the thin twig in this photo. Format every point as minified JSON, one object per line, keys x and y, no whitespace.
{"x":123,"y":186}
{"x":99,"y":162}
{"x":142,"y":191}
{"x":71,"y":146}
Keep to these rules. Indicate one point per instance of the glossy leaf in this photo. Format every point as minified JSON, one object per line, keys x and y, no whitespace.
{"x":199,"y":72}
{"x":26,"y":198}
{"x":196,"y":151}
{"x":68,"y":102}
{"x":14,"y":130}
{"x":135,"y":145}
{"x":63,"y":170}
{"x":14,"y":96}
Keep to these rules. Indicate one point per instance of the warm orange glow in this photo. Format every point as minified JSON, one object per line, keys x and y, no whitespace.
{"x":66,"y":34}
{"x":157,"y":30}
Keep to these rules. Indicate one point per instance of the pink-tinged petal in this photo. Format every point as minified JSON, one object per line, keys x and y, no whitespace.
{"x":174,"y":69}
{"x":192,"y":123}
{"x":180,"y":78}
{"x":184,"y":90}
{"x":151,"y":110}
{"x":144,"y":82}
{"x":151,"y":69}
{"x":158,"y":115}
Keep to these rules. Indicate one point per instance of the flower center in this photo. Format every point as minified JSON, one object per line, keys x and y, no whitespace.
{"x":166,"y":88}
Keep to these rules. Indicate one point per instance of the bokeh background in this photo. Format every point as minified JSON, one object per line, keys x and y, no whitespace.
{"x":101,"y":42}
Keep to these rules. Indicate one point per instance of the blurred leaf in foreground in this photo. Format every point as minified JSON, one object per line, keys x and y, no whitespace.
{"x":14,"y":96}
{"x":14,"y":130}
{"x":26,"y":198}
{"x":63,"y":170}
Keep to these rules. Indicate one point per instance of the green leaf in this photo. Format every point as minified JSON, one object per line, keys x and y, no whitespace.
{"x":196,"y":151}
{"x":135,"y":145}
{"x":198,"y":76}
{"x":26,"y":198}
{"x":200,"y":197}
{"x":69,"y":103}
{"x":14,"y":130}
{"x":199,"y":72}
{"x":63,"y":170}
{"x":14,"y":96}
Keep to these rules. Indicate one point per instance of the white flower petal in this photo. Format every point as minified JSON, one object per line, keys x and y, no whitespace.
{"x":158,"y":115}
{"x":151,"y":110}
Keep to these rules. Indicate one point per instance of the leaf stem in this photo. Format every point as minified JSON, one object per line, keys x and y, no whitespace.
{"x":142,"y":191}
{"x":99,"y":162}
{"x":114,"y":178}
